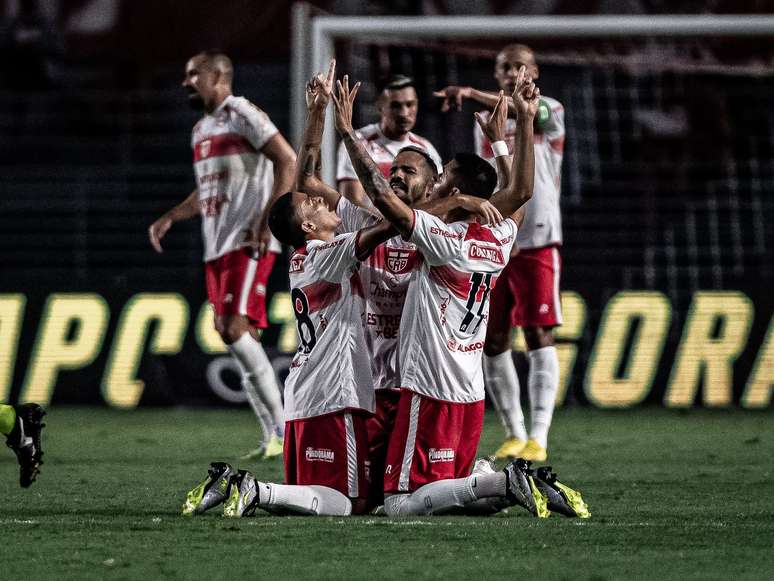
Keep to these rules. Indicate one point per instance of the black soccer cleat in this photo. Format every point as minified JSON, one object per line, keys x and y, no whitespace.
{"x":561,"y":498}
{"x":24,"y":440}
{"x":517,"y":486}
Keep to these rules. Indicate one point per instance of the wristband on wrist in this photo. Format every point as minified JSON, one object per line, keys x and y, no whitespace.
{"x":499,"y":148}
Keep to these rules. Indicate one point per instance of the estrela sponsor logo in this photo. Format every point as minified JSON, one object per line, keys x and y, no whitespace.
{"x":488,"y":253}
{"x":319,"y":455}
{"x":445,"y":233}
{"x":437,"y":455}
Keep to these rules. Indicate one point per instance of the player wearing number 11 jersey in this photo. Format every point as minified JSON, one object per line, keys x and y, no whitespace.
{"x":440,"y":412}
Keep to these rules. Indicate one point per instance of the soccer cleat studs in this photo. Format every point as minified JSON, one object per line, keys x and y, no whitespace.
{"x":561,"y":498}
{"x":213,"y":491}
{"x":24,"y":440}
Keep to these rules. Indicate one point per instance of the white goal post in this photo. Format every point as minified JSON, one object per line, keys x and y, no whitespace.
{"x":313,"y":40}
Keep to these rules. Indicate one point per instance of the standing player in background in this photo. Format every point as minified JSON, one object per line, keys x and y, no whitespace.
{"x":21,"y":425}
{"x":242,"y":164}
{"x":529,"y":289}
{"x":398,"y":106}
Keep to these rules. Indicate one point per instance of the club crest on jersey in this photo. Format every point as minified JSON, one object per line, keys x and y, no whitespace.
{"x":488,"y":253}
{"x":398,"y":260}
{"x":296,"y":264}
{"x":204,"y":148}
{"x":319,"y":455}
{"x":436,"y":455}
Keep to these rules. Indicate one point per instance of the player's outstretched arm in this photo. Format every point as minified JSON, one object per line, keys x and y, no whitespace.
{"x":369,"y":174}
{"x":186,"y":209}
{"x":510,"y":199}
{"x":309,"y":162}
{"x":454,"y":95}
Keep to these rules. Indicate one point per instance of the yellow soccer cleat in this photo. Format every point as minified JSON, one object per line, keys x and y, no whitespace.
{"x":274,"y":447}
{"x":533,"y":452}
{"x":510,"y":449}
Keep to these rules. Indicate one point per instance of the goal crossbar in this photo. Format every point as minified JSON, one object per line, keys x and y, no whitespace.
{"x":314,"y":37}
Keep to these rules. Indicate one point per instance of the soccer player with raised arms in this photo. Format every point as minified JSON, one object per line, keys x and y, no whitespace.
{"x":398,"y":106}
{"x":241,"y":163}
{"x":441,"y":408}
{"x":528,"y":293}
{"x":329,"y":391}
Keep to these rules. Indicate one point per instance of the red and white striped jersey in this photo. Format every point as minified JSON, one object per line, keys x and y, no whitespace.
{"x":233,"y":177}
{"x":385,"y":275}
{"x":542,"y":224}
{"x":444,"y":319}
{"x":382,"y":150}
{"x":330,"y":371}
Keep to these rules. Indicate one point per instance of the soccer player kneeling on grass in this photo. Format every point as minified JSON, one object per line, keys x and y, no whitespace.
{"x":329,"y":391}
{"x":440,"y":412}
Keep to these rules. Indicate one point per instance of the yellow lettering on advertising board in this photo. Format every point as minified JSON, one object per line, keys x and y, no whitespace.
{"x":603,"y":384}
{"x":714,"y":334}
{"x":120,"y":386}
{"x":11,"y":314}
{"x":72,"y":329}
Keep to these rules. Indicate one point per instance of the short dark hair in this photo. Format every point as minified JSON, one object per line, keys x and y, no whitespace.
{"x":395,"y":82}
{"x":284,"y":223}
{"x":219,"y":60}
{"x":475,"y":176}
{"x":426,"y":156}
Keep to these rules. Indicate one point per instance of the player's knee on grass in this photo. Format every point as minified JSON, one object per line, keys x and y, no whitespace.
{"x":538,"y":337}
{"x":497,"y":341}
{"x":360,"y":506}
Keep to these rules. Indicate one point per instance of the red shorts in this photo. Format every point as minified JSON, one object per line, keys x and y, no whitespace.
{"x":328,"y":450}
{"x":528,"y":290}
{"x":379,"y":427}
{"x":431,"y":440}
{"x":236,"y":284}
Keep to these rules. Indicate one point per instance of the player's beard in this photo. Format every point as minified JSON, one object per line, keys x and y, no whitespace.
{"x":195,"y":101}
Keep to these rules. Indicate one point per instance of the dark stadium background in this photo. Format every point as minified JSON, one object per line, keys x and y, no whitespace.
{"x":667,"y":187}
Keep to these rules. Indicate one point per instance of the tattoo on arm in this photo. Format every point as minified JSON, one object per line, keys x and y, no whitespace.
{"x":369,"y":174}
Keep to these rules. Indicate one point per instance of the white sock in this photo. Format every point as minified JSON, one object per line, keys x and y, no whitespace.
{"x":543,"y":385}
{"x":445,"y":496}
{"x":260,"y":411}
{"x":259,"y":374}
{"x":297,"y":499}
{"x":502,"y":383}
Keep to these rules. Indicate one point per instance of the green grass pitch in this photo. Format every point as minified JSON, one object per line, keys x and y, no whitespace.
{"x":673,"y":496}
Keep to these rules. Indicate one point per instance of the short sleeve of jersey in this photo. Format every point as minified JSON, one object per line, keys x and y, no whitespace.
{"x":353,"y":217}
{"x":344,"y":169}
{"x":554,"y":128}
{"x":334,"y":260}
{"x":438,"y":242}
{"x":258,"y":128}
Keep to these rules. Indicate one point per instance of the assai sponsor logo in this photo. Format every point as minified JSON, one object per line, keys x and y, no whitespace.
{"x":319,"y":455}
{"x":488,"y":253}
{"x":398,"y":260}
{"x":440,"y":455}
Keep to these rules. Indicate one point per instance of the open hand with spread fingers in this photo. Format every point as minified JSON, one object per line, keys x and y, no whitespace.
{"x":343,"y":100}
